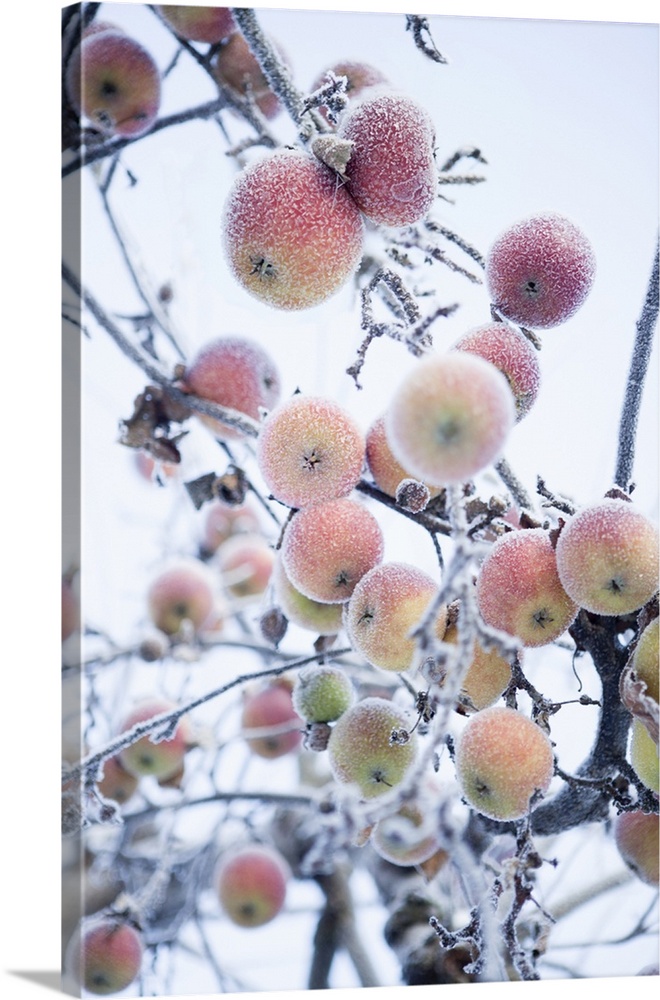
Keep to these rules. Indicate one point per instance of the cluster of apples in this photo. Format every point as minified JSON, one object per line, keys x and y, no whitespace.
{"x":113,"y":81}
{"x":446,"y":422}
{"x":193,"y":595}
{"x":294,"y":227}
{"x":294,"y":220}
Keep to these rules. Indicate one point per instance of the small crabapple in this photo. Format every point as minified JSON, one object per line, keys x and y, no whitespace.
{"x":251,"y":884}
{"x":222,"y":522}
{"x":540,"y":270}
{"x":164,"y":759}
{"x":246,"y":564}
{"x":292,"y":235}
{"x":236,"y":67}
{"x":199,"y":24}
{"x":386,"y":471}
{"x":512,"y":354}
{"x":636,"y":837}
{"x":384,"y":608}
{"x":502,"y":760}
{"x":644,"y":755}
{"x":117,"y":783}
{"x":391,"y":172}
{"x":182,"y":593}
{"x":322,"y":693}
{"x":645,"y":659}
{"x":329,"y":546}
{"x":487,"y":676}
{"x":310,"y":449}
{"x":359,"y":76}
{"x":315,"y":616}
{"x":234,"y":372}
{"x":114,"y":82}
{"x":270,"y":724}
{"x":519,"y":590}
{"x":607,"y":557}
{"x":449,"y":418}
{"x":360,"y":750}
{"x":105,"y":955}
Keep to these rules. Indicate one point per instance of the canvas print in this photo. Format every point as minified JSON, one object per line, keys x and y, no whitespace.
{"x":360,"y":540}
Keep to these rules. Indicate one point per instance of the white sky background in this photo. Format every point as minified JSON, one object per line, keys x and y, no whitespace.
{"x":567,"y":118}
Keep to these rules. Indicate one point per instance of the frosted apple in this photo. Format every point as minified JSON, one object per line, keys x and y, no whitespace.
{"x":310,"y":449}
{"x":270,"y":723}
{"x":384,"y":608}
{"x":322,"y":693}
{"x":251,"y":884}
{"x":519,"y":590}
{"x":222,"y":522}
{"x":182,"y":593}
{"x":359,"y":76}
{"x":449,"y":418}
{"x":636,"y":837}
{"x":391,"y":173}
{"x":387,"y":472}
{"x":105,"y":955}
{"x":236,"y":67}
{"x":645,"y":659}
{"x":512,"y":354}
{"x":246,"y":563}
{"x":235,"y":372}
{"x":540,"y":270}
{"x":328,"y":547}
{"x":315,"y":616}
{"x":502,"y":760}
{"x":607,"y":557}
{"x":487,"y":676}
{"x":292,"y":235}
{"x":163,"y":759}
{"x":199,"y":24}
{"x":114,"y":82}
{"x":117,"y":783}
{"x":644,"y":755}
{"x":360,"y":751}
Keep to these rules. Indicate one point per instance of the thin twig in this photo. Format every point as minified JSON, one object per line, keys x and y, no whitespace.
{"x":112,"y":146}
{"x":232,"y":418}
{"x":167,"y":721}
{"x":155,"y":312}
{"x":420,"y":27}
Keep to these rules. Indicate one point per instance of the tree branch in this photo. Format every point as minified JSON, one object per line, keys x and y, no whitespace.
{"x":636,"y":376}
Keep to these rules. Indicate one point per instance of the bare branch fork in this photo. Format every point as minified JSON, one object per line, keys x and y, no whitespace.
{"x":412,"y":331}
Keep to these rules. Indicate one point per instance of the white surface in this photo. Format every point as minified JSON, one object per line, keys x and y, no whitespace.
{"x":30,"y":911}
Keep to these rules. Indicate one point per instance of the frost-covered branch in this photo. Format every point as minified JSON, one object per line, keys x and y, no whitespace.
{"x":636,"y":377}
